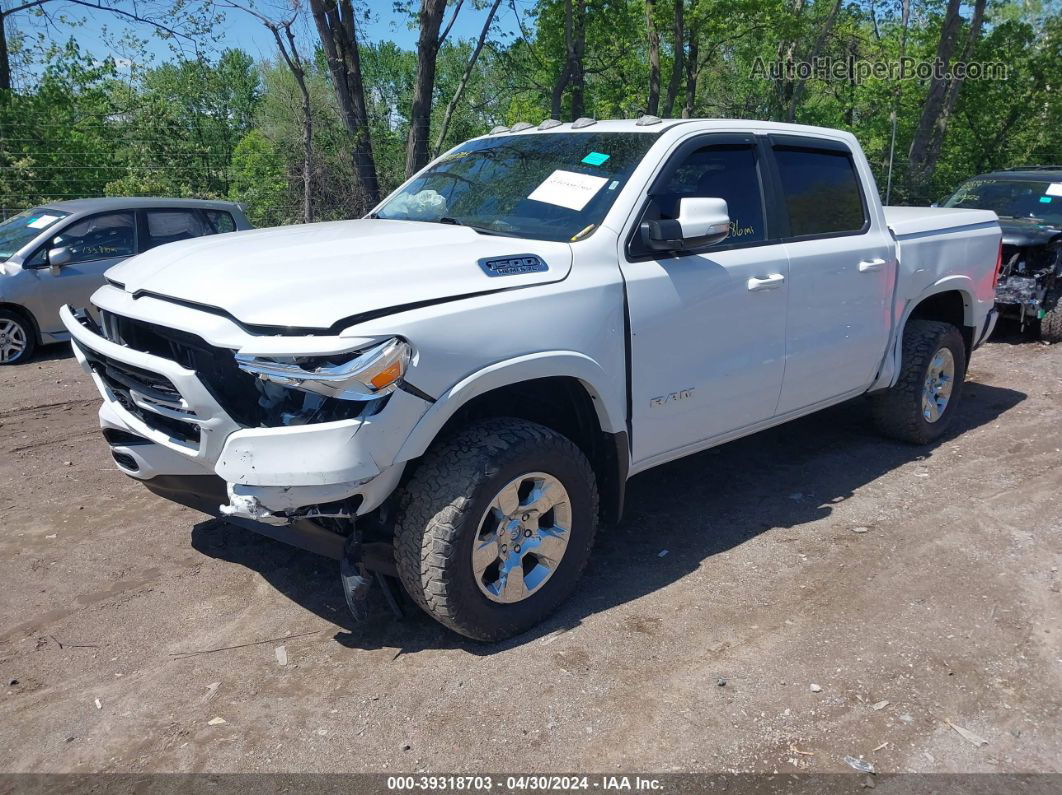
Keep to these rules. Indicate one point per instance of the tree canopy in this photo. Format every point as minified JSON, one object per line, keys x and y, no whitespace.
{"x":357,"y":116}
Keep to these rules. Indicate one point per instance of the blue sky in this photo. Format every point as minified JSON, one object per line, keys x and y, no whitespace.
{"x":241,"y":30}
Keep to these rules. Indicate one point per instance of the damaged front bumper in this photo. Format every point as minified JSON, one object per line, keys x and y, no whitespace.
{"x":167,"y":429}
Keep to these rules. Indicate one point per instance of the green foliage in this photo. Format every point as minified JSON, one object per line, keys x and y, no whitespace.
{"x":226,"y":126}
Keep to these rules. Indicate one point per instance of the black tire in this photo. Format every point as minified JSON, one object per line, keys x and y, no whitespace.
{"x":441,"y":507}
{"x":1051,"y":323}
{"x":898,"y":411}
{"x":28,"y":334}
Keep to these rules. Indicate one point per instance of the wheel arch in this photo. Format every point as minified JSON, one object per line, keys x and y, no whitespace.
{"x":565,"y":391}
{"x":950,"y":300}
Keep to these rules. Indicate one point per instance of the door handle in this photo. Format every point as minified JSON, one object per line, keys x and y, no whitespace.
{"x":871,"y":265}
{"x":770,"y":283}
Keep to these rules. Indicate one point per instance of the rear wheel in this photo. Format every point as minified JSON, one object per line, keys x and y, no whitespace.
{"x":17,"y":339}
{"x":920,"y":407}
{"x":495,"y":527}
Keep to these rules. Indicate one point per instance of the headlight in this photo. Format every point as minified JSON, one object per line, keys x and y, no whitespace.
{"x":369,"y":374}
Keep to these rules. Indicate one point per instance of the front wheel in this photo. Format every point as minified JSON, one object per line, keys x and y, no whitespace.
{"x":495,"y":527}
{"x":921,"y":405}
{"x":17,"y":340}
{"x":1051,"y":322}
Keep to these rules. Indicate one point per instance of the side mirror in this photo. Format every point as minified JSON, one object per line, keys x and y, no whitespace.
{"x":57,"y":258}
{"x":701,"y":222}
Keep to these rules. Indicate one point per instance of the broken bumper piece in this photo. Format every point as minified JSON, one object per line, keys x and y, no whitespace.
{"x":273,"y":476}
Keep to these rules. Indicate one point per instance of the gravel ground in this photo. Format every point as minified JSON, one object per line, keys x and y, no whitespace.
{"x":776,"y":604}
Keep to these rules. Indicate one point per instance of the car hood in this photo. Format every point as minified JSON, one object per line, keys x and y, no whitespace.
{"x":313,"y":276}
{"x":1017,"y":232}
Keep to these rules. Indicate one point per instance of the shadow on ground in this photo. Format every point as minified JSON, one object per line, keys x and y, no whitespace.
{"x":699,"y":506}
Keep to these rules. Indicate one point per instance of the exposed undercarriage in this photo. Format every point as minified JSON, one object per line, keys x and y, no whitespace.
{"x":1030,"y":281}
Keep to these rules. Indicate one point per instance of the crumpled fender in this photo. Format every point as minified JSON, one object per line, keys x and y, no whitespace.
{"x":608,"y":393}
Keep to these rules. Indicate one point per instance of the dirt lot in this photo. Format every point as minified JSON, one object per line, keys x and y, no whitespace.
{"x":824,"y":593}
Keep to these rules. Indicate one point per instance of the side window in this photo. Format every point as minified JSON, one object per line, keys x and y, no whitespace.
{"x":221,"y":221}
{"x":169,"y":226}
{"x":720,"y":171}
{"x":821,"y":191}
{"x":99,"y":237}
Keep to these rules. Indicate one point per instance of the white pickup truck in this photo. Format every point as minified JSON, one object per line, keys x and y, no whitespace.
{"x":456,"y":388}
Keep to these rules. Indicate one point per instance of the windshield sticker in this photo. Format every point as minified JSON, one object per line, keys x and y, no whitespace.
{"x":1045,"y":200}
{"x":568,"y":189}
{"x":1054,"y":189}
{"x":595,"y":159}
{"x":42,"y":221}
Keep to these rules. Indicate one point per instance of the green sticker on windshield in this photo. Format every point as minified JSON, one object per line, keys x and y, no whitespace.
{"x":1045,"y":200}
{"x":595,"y":159}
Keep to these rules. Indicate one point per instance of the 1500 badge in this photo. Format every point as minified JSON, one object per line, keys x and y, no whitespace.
{"x":671,"y":397}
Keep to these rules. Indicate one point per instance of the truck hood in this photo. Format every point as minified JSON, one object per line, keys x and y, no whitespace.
{"x":1017,"y":232}
{"x":313,"y":276}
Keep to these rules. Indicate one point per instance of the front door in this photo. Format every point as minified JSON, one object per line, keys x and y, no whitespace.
{"x":95,"y":244}
{"x":707,"y":330}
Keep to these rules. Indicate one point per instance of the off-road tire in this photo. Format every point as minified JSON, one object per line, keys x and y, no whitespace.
{"x":898,"y":410}
{"x":440,"y":507}
{"x":28,"y":330}
{"x":1051,"y":323}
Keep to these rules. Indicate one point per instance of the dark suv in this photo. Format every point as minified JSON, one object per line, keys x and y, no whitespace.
{"x":1028,"y":201}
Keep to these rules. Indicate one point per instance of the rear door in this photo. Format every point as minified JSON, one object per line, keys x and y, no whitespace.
{"x":159,"y":226}
{"x":841,"y":272}
{"x":707,"y":329}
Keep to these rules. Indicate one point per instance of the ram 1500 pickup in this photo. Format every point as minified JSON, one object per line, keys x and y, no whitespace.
{"x":456,"y":388}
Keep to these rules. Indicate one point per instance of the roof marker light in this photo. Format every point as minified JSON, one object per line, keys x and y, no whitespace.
{"x":647,"y":120}
{"x":583,"y":121}
{"x":519,"y":126}
{"x":549,"y":124}
{"x":499,"y":129}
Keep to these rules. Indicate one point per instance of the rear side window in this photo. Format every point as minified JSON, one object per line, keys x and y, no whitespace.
{"x":169,"y":226}
{"x":221,"y":221}
{"x":821,"y":191}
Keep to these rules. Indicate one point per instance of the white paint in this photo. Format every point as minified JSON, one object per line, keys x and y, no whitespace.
{"x":568,"y":189}
{"x":1054,"y":189}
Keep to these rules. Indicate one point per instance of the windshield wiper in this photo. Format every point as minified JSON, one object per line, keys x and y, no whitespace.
{"x":481,"y":229}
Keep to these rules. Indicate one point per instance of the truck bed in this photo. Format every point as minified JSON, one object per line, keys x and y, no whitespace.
{"x":904,"y":221}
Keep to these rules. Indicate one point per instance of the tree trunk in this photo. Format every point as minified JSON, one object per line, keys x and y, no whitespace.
{"x":431,"y":15}
{"x":652,"y":105}
{"x":337,"y":29}
{"x":920,"y":166}
{"x":575,"y":58}
{"x":456,"y":98}
{"x":936,"y":138}
{"x":692,"y":73}
{"x":307,"y":137}
{"x":816,"y":49}
{"x":677,"y":65}
{"x":564,"y":75}
{"x":5,"y":60}
{"x":787,"y":58}
{"x":905,"y":20}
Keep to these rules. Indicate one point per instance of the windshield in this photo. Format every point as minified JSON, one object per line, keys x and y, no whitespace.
{"x":20,"y":229}
{"x":1037,"y":200}
{"x":556,"y":186}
